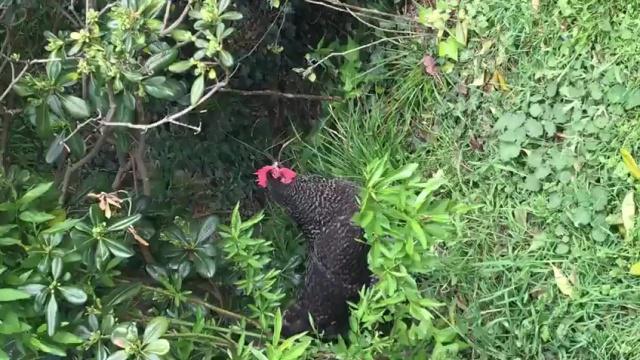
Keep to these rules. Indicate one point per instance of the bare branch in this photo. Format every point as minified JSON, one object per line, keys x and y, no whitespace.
{"x":167,"y":12}
{"x":81,"y":125}
{"x":282,"y":94}
{"x":172,"y":119}
{"x":14,"y":82}
{"x":180,"y":19}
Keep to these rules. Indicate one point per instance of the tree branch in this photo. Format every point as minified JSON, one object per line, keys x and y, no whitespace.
{"x":166,"y":30}
{"x":172,"y":119}
{"x":282,"y":94}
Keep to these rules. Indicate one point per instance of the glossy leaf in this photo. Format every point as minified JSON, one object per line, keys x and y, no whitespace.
{"x":124,"y":223}
{"x":9,"y":294}
{"x":46,"y":347}
{"x":118,"y":249}
{"x":157,"y":347}
{"x":208,"y":228}
{"x":34,"y":193}
{"x":118,"y":355}
{"x":52,"y":315}
{"x":73,"y":295}
{"x":75,"y":106}
{"x":56,"y":267}
{"x":197,"y":89}
{"x":161,"y":60}
{"x":65,"y":337}
{"x":43,"y":121}
{"x":155,"y":329}
{"x":33,"y":289}
{"x":36,"y":217}
{"x":180,"y":66}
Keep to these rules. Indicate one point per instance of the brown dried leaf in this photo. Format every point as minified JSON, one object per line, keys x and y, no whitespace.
{"x":136,"y":236}
{"x":565,"y":285}
{"x":430,"y":66}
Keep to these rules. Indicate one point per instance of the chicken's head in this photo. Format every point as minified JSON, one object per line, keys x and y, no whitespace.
{"x":274,"y":172}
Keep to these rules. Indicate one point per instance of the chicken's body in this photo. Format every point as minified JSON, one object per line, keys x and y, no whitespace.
{"x":337,"y":262}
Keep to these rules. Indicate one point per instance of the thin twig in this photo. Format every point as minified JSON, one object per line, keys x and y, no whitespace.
{"x":81,"y":125}
{"x":346,"y":52}
{"x":94,"y":151}
{"x":172,"y":119}
{"x":167,"y":12}
{"x":14,"y":82}
{"x":120,"y":174}
{"x":179,"y":21}
{"x":281,"y":94}
{"x":75,"y":22}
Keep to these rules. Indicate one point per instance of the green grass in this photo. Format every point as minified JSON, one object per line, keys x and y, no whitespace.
{"x":571,"y":68}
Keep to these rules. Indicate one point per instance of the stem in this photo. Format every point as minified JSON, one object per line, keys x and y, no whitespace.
{"x":281,"y":94}
{"x":219,"y":310}
{"x":166,"y":30}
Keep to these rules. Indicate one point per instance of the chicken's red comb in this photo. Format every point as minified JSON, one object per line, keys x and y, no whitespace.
{"x":285,"y":175}
{"x":262,"y":175}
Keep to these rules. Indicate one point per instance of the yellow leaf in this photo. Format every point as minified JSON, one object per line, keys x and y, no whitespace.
{"x":630,"y":163}
{"x":628,"y":212}
{"x":499,"y":81}
{"x":563,"y":282}
{"x":635,"y":269}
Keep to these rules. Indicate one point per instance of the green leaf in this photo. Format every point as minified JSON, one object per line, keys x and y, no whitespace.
{"x":7,"y":241}
{"x":157,"y":347}
{"x":56,"y":267}
{"x":402,"y":173}
{"x":43,"y":121}
{"x":8,"y":294}
{"x":180,"y":66}
{"x":73,"y":295}
{"x":52,"y":315}
{"x":62,"y":226}
{"x":118,"y":355}
{"x":64,"y":337}
{"x":449,"y":48}
{"x":596,"y":93}
{"x":55,"y":149}
{"x":53,"y":69}
{"x":208,"y":228}
{"x":33,"y":289}
{"x":155,"y":329}
{"x":181,"y":35}
{"x":34,"y":193}
{"x":535,"y":110}
{"x":532,"y":183}
{"x":231,"y":15}
{"x":121,"y":294}
{"x":633,"y":99}
{"x":226,"y":59}
{"x":197,"y":89}
{"x":124,"y":223}
{"x":4,"y":229}
{"x":75,"y":106}
{"x":118,"y":249}
{"x":419,"y":232}
{"x":4,"y":355}
{"x":161,"y":60}
{"x":46,"y":347}
{"x":533,"y":128}
{"x":35,"y":216}
{"x":509,"y":151}
{"x":205,"y":266}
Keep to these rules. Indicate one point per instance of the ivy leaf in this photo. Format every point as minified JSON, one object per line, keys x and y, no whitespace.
{"x":449,"y":48}
{"x":197,"y":89}
{"x":76,"y":107}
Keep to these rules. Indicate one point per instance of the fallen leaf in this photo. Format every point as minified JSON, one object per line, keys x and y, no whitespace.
{"x":479,"y":80}
{"x":635,"y":269}
{"x":498,"y":81}
{"x":563,"y":282}
{"x":476,"y":143}
{"x":630,"y":163}
{"x":462,"y":89}
{"x":430,"y":66}
{"x":628,"y":213}
{"x":136,"y":236}
{"x":535,"y":4}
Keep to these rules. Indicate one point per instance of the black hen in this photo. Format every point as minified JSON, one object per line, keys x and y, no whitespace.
{"x":337,"y":266}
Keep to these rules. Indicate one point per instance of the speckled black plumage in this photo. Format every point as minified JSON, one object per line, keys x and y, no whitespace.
{"x":337,"y":262}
